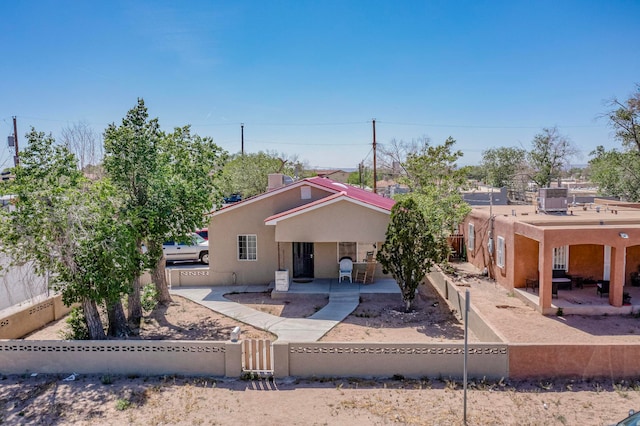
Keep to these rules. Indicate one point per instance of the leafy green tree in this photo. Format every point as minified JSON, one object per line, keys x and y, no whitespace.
{"x":624,"y":117}
{"x":103,"y":262}
{"x":436,"y":180}
{"x":364,"y":177}
{"x":168,"y":184}
{"x":549,"y":153}
{"x":422,"y":220}
{"x":476,"y":173}
{"x":68,"y":228}
{"x":501,"y":164}
{"x":617,"y":173}
{"x":409,"y":250}
{"x":184,"y":190}
{"x":248,"y":174}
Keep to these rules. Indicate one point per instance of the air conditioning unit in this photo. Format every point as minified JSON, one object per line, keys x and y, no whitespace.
{"x":553,"y":200}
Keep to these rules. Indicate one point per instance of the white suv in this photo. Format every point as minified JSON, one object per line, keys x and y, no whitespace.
{"x":197,"y":249}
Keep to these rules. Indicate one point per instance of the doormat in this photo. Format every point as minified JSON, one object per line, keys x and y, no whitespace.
{"x":302,"y":280}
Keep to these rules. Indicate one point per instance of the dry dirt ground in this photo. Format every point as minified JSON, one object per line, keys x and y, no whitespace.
{"x":378,"y":318}
{"x":168,"y":400}
{"x":47,"y":399}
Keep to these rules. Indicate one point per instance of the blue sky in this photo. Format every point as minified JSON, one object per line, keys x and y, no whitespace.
{"x":307,"y":77}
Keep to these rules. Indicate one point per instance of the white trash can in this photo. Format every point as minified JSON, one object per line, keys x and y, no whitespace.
{"x":282,"y":280}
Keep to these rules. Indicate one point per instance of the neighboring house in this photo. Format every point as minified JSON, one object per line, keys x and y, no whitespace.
{"x":389,"y":188}
{"x":340,"y":176}
{"x":305,"y":227}
{"x":597,"y":242}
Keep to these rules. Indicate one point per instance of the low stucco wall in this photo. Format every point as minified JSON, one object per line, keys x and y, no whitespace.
{"x":32,"y":317}
{"x":193,"y":277}
{"x":386,"y":360}
{"x":574,"y":360}
{"x":121,"y":357}
{"x":225,"y":359}
{"x":326,"y":359}
{"x":456,"y":300}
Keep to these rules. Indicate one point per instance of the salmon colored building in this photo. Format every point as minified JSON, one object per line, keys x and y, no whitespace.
{"x":522,"y":246}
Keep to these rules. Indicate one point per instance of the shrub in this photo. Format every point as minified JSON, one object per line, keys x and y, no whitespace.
{"x":76,"y":328}
{"x":148,"y":297}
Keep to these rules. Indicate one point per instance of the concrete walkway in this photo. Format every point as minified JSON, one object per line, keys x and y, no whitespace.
{"x":343,"y":299}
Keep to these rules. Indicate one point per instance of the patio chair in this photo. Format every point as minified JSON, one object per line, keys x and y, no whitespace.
{"x":602,"y":287}
{"x":366,"y":276}
{"x":346,"y":269}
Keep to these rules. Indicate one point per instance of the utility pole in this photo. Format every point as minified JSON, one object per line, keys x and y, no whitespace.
{"x":375,"y":174}
{"x":16,"y":160}
{"x":242,"y":138}
{"x":360,"y":170}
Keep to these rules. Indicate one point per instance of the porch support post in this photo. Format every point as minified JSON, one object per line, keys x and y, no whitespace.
{"x":545,"y":275}
{"x":617,"y":275}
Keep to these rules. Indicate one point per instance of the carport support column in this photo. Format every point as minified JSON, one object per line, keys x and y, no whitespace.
{"x":545,"y":275}
{"x":617,"y":275}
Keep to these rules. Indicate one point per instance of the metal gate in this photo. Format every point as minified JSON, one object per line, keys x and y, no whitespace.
{"x":257,"y":356}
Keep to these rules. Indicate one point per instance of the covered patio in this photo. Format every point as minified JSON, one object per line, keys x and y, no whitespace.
{"x":582,"y":301}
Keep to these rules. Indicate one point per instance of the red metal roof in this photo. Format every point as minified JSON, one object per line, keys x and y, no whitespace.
{"x":339,"y":189}
{"x":343,"y":191}
{"x":354,"y":192}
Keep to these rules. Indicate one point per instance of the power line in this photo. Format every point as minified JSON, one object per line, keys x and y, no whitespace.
{"x":351,"y":123}
{"x":304,"y":144}
{"x":472,"y":126}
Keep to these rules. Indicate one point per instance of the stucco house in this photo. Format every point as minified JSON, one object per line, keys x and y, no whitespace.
{"x":304,"y":227}
{"x":546,"y":246}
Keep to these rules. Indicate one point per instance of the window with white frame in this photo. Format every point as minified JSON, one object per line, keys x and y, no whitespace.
{"x":471,"y":238}
{"x":247,"y":247}
{"x":500,"y":252}
{"x":356,"y":251}
{"x":561,"y":258}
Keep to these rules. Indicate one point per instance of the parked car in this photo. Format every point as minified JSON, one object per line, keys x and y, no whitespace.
{"x":195,"y":249}
{"x":233,"y":198}
{"x":632,"y":420}
{"x":204,"y":233}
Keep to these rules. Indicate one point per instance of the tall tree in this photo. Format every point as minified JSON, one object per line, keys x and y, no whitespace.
{"x":422,"y":220}
{"x":131,"y":162}
{"x":436,"y":180}
{"x":500,"y":165}
{"x":393,"y":155}
{"x":68,"y":228}
{"x":168,"y":182}
{"x":624,"y":117}
{"x":248,"y":174}
{"x":84,"y":142}
{"x":409,"y":250}
{"x":184,"y":190}
{"x":616,"y":173}
{"x":550,"y":151}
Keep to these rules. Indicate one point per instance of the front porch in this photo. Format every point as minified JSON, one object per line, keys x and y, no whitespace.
{"x":328,"y":286}
{"x":582,"y":301}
